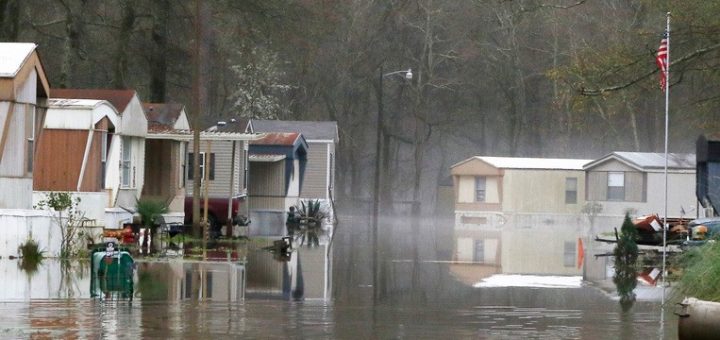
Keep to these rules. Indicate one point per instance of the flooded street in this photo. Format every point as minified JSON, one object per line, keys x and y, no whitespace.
{"x":423,"y":293}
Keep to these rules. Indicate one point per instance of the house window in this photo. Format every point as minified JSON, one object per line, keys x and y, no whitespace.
{"x":126,"y":163}
{"x":569,"y":255}
{"x":30,"y":143}
{"x":479,"y":255}
{"x":246,"y":169}
{"x":480,"y":189}
{"x":570,"y":190}
{"x":103,"y":157}
{"x":203,"y":165}
{"x":616,"y":186}
{"x":30,"y":149}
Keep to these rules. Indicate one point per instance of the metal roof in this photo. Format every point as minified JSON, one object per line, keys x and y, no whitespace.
{"x":650,"y":160}
{"x":277,"y":138}
{"x":265,"y":158}
{"x":13,"y":56}
{"x":87,"y":104}
{"x":187,"y":135}
{"x":311,"y":130}
{"x":118,"y":98}
{"x":534,"y":163}
{"x":230,"y":125}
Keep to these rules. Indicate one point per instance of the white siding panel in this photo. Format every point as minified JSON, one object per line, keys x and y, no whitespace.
{"x":13,"y":161}
{"x":134,"y":122}
{"x":16,"y":193}
{"x":27,"y":92}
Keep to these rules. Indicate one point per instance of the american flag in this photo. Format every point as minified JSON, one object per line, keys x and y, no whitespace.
{"x":662,"y":61}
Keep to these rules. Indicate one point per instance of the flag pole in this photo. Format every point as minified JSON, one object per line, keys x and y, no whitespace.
{"x":667,"y":119}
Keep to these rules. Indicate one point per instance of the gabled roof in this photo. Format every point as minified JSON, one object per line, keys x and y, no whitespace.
{"x":162,"y":116}
{"x":312,"y":130}
{"x":13,"y":56}
{"x":530,"y":163}
{"x":648,"y":160}
{"x":118,"y":98}
{"x":17,"y":62}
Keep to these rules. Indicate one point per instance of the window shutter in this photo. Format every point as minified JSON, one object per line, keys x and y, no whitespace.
{"x":190,"y":161}
{"x":211,"y":175}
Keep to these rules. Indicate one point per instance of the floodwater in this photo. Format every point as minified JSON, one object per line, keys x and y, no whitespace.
{"x":428,"y":291}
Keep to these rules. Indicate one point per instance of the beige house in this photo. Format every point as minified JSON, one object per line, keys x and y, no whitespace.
{"x":502,"y":204}
{"x":635,"y":182}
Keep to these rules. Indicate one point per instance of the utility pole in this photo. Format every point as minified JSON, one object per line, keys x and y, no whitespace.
{"x":197,"y":112}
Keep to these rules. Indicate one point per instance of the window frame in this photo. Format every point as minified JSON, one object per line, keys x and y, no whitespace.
{"x":126,"y":164}
{"x":571,"y":193}
{"x":619,"y":193}
{"x":480,"y":190}
{"x":202,"y":163}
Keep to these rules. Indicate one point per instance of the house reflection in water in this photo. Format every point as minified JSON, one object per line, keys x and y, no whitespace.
{"x":518,"y":216}
{"x":181,"y":280}
{"x":306,"y":274}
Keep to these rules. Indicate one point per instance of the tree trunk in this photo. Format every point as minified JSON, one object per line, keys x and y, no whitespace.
{"x":158,"y":60}
{"x":120,"y":59}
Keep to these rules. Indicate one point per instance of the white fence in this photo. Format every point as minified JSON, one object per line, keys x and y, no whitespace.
{"x":19,"y":225}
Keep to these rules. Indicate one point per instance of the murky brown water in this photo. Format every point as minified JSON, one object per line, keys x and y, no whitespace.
{"x":428,"y":298}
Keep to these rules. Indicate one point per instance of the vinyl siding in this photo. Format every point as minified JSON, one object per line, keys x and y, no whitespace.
{"x":316,"y":171}
{"x":635,"y":186}
{"x":268,"y":179}
{"x":220,"y":185}
{"x":267,"y":186}
{"x":540,"y":191}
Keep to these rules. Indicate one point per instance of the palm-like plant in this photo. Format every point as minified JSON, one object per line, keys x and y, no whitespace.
{"x":149,"y":210}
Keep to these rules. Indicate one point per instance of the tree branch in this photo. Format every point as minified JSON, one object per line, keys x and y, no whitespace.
{"x":596,"y":92}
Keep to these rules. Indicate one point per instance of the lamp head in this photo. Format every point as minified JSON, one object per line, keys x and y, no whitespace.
{"x":408,"y":74}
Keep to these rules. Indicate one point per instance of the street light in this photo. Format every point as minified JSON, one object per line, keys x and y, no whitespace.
{"x":378,"y":150}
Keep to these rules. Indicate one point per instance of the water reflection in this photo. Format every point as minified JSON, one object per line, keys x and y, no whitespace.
{"x":428,"y":295}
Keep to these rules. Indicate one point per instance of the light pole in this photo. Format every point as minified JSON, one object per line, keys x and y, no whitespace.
{"x":378,"y":150}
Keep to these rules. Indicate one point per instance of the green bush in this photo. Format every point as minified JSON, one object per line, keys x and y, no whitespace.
{"x":626,"y":256}
{"x":149,"y":210}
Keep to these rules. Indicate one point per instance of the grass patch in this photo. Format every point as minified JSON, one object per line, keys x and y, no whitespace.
{"x":701,"y":272}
